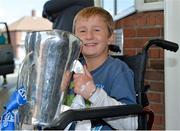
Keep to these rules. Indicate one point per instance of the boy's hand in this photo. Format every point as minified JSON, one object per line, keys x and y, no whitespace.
{"x":83,"y":84}
{"x":66,"y":80}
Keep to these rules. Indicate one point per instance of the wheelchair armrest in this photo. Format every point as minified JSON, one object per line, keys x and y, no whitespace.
{"x":95,"y":113}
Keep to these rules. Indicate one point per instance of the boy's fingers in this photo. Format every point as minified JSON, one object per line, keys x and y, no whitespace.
{"x":76,"y":75}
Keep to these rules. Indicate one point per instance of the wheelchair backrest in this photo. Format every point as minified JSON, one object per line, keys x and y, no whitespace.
{"x":138,"y":65}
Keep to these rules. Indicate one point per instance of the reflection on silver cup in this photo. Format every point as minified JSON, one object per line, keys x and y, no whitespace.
{"x":46,"y":74}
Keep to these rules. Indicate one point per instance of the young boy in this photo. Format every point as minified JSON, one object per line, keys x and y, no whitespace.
{"x":106,"y":81}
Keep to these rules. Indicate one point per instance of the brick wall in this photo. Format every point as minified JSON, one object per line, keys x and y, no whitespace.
{"x":137,"y":29}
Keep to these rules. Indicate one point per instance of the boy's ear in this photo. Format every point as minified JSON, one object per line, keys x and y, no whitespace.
{"x":112,"y":39}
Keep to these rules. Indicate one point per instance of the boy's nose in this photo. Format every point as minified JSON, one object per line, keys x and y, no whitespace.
{"x":89,"y":35}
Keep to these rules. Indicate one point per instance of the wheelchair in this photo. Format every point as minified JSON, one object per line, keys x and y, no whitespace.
{"x":145,"y":116}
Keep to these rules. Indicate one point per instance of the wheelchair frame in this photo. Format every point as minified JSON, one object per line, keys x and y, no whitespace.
{"x":145,"y":116}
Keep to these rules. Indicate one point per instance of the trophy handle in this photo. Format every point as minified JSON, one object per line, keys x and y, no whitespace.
{"x":26,"y":65}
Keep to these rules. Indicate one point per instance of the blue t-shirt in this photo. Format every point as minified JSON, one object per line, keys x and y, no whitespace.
{"x":117,"y":79}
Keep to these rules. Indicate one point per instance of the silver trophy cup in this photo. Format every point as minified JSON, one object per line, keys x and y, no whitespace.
{"x":46,"y":74}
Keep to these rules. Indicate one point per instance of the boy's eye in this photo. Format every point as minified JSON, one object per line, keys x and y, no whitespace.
{"x":82,"y":31}
{"x":97,"y":30}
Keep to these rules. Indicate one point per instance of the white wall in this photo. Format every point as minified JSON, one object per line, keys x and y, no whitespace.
{"x":172,"y":66}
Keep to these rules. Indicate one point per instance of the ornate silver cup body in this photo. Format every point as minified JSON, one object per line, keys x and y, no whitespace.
{"x":46,"y":73}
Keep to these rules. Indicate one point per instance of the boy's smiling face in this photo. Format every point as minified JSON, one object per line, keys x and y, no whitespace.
{"x":93,"y":31}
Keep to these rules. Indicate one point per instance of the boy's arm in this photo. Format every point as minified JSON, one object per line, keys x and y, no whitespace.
{"x":100,"y":98}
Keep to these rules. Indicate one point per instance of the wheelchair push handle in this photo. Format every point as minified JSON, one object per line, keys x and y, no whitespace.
{"x":168,"y":45}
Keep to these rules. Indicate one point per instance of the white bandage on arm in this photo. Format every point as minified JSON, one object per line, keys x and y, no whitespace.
{"x":100,"y":98}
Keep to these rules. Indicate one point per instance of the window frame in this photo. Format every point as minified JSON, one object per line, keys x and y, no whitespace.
{"x":151,"y":6}
{"x":139,"y":6}
{"x":126,"y":12}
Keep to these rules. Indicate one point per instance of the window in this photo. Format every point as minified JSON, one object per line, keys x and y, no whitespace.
{"x":119,"y":8}
{"x":150,"y":1}
{"x":119,"y":40}
{"x":3,"y":34}
{"x":122,"y":8}
{"x":109,"y":5}
{"x":149,"y":5}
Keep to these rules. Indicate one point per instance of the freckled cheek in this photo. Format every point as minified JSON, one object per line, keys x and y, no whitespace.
{"x":87,"y":50}
{"x":84,"y":49}
{"x":80,"y":37}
